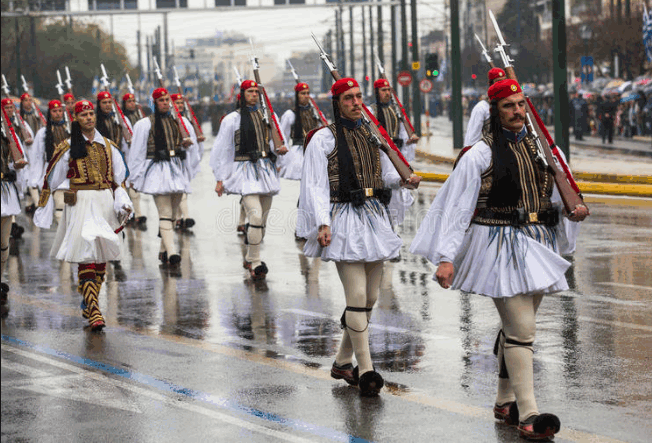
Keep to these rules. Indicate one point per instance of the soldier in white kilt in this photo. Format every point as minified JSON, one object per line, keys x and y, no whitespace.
{"x":95,"y":203}
{"x":496,"y":228}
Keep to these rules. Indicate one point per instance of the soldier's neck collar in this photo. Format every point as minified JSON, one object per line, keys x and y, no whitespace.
{"x":306,"y":107}
{"x":350,"y":124}
{"x":59,"y":123}
{"x":253,"y":108}
{"x":383,"y":105}
{"x":515,"y":137}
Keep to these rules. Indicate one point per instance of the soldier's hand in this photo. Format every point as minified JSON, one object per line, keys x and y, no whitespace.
{"x":324,"y":236}
{"x":201,"y":139}
{"x":412,"y":182}
{"x":413,"y":139}
{"x":282,"y":150}
{"x":186,"y":142}
{"x":20,"y":164}
{"x":444,"y":274}
{"x":219,"y":188}
{"x":579,"y":213}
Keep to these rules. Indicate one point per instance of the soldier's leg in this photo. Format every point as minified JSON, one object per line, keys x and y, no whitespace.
{"x":517,"y":315}
{"x":5,"y":233}
{"x":254,"y":209}
{"x":89,"y":289}
{"x":59,"y":204}
{"x":166,"y":224}
{"x":243,"y":218}
{"x":135,"y":199}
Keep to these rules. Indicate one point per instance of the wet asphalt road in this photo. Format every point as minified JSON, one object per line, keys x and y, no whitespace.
{"x":207,"y":355}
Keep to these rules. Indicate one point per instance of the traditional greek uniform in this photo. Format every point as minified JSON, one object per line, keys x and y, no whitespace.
{"x":163,"y":174}
{"x":509,"y":253}
{"x":402,"y":198}
{"x":291,"y":164}
{"x":32,"y":118}
{"x":86,"y":234}
{"x":40,"y":162}
{"x":133,"y":117}
{"x":10,"y":200}
{"x":249,"y":173}
{"x":362,"y":236}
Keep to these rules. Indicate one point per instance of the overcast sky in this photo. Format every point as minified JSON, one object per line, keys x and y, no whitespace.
{"x":275,"y":32}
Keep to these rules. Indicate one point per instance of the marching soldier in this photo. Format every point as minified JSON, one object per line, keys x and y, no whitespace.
{"x":243,"y":160}
{"x":26,"y":139}
{"x":45,"y":142}
{"x":95,"y":202}
{"x":184,"y":222}
{"x":161,"y":164}
{"x":496,"y":229}
{"x":480,"y":112}
{"x":10,"y":204}
{"x":295,"y":129}
{"x":402,"y":198}
{"x":344,"y":193}
{"x":107,"y":122}
{"x":29,"y":113}
{"x":130,"y":109}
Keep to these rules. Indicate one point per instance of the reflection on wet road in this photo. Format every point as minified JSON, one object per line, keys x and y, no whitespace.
{"x":205,"y":351}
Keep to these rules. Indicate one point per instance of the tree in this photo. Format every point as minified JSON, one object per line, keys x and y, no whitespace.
{"x":47,"y":45}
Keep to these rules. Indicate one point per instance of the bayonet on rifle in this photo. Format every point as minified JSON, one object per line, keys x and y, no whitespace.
{"x":501,"y":45}
{"x":68,"y":80}
{"x":377,"y":138}
{"x":485,"y":53}
{"x":5,"y":86}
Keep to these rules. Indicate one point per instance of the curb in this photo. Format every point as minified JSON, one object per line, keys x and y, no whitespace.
{"x":635,"y":190}
{"x":580,"y":176}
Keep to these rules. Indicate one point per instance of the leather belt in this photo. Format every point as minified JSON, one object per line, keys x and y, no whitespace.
{"x":358,"y":196}
{"x":517,"y":217}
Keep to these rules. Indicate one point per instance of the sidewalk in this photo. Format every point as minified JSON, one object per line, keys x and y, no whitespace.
{"x":588,"y":157}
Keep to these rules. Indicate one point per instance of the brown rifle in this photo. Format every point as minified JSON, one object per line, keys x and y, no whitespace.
{"x":378,"y":134}
{"x":268,"y":111}
{"x":400,"y":111}
{"x":14,"y":142}
{"x":567,"y":188}
{"x":185,"y":134}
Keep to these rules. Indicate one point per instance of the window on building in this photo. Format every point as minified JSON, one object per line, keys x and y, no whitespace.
{"x":231,"y":2}
{"x":289,"y":2}
{"x":104,"y":5}
{"x":47,"y":5}
{"x":171,"y":4}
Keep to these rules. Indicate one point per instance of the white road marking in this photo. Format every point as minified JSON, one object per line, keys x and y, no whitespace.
{"x":87,"y":374}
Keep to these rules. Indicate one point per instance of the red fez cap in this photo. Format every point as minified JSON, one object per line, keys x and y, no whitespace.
{"x":54,"y":104}
{"x":496,"y":73}
{"x":7,"y":101}
{"x":343,"y":85}
{"x":24,"y":96}
{"x":301,"y":87}
{"x":248,"y":84}
{"x":381,"y":83}
{"x":83,"y":105}
{"x":68,"y":96}
{"x":503,"y":89}
{"x":102,"y":95}
{"x":159,"y":92}
{"x":176,"y":97}
{"x":127,"y":96}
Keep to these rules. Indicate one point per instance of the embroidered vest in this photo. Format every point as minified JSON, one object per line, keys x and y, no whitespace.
{"x":391,"y":120}
{"x":536,"y":188}
{"x":33,"y":120}
{"x":115,"y":131}
{"x":366,"y":160}
{"x":172,"y":137}
{"x":308,"y":123}
{"x":132,"y":116}
{"x":242,"y":154}
{"x":93,"y":172}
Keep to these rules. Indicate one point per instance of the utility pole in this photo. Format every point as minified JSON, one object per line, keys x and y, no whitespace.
{"x":560,"y":73}
{"x":394,"y":58}
{"x":404,"y":53}
{"x":34,"y":74}
{"x":381,"y":43}
{"x":364,"y":56}
{"x":371,"y":45}
{"x":18,"y":82}
{"x":164,"y":57}
{"x":456,"y":76}
{"x":416,"y":93}
{"x":352,"y":45}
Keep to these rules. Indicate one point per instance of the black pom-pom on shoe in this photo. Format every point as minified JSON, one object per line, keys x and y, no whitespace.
{"x":540,"y":427}
{"x":370,"y":384}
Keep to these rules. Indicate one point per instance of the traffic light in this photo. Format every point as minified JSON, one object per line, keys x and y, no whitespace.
{"x":432,"y":65}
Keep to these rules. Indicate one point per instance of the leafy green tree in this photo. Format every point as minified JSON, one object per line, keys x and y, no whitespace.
{"x":49,"y":44}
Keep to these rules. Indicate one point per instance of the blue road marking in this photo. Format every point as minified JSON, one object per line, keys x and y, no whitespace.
{"x":164,"y":386}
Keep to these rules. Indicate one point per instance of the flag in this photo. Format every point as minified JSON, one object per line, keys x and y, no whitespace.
{"x":647,"y":32}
